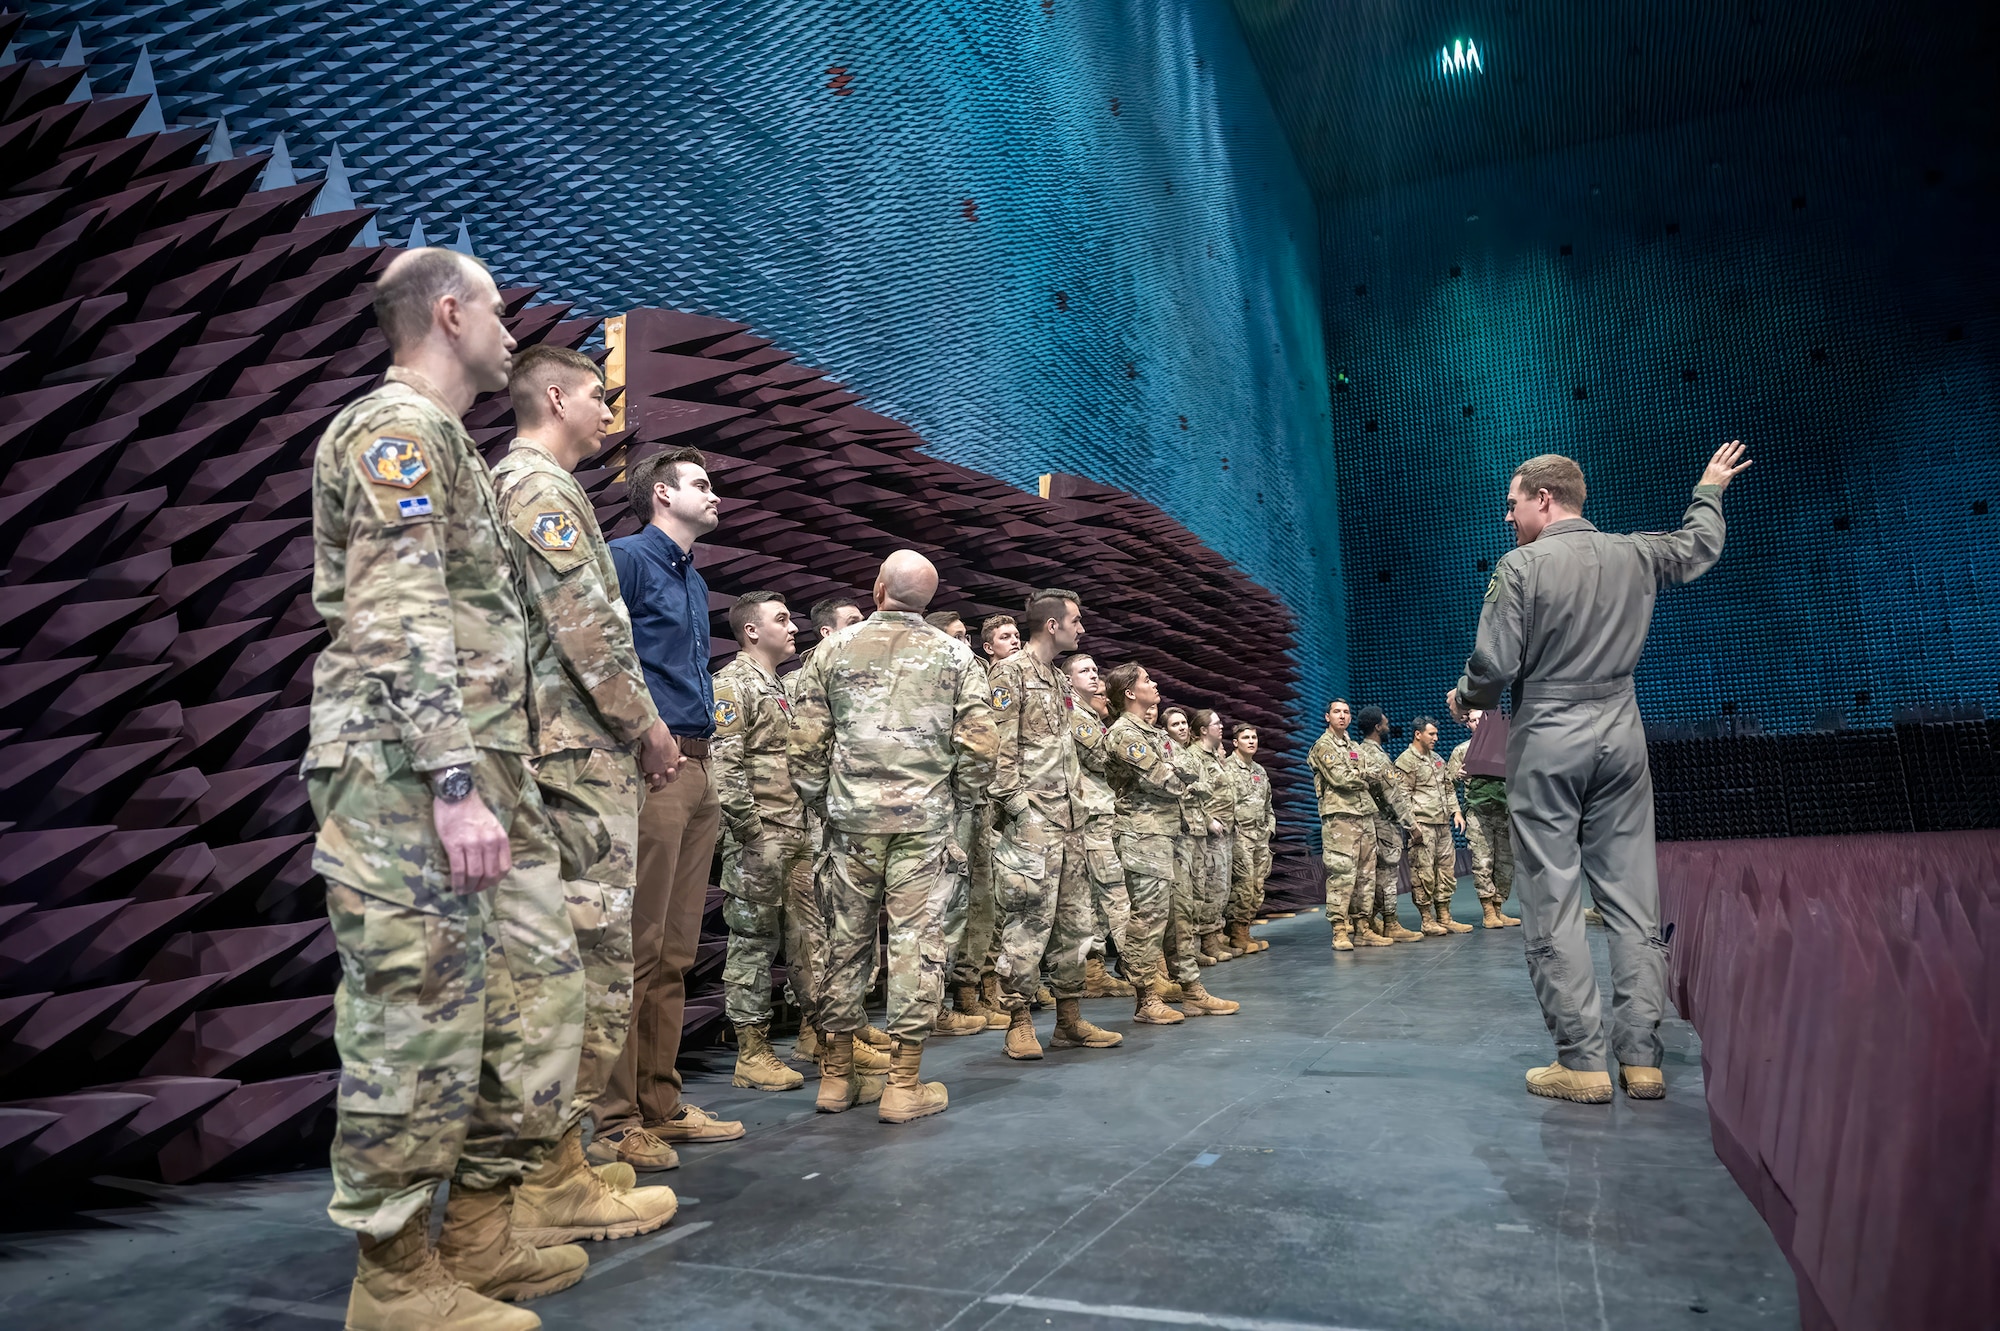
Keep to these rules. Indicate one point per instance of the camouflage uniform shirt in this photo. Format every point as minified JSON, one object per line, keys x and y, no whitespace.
{"x":751,"y":769}
{"x":1432,"y":799}
{"x":1148,"y":788}
{"x":1387,"y":784}
{"x":1251,"y":787}
{"x":430,"y":642}
{"x":589,"y":692}
{"x":1092,"y":740}
{"x":1340,"y":776}
{"x":1036,"y":766}
{"x":889,"y":731}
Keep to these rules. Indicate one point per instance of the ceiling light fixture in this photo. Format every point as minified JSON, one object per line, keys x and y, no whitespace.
{"x":1460,"y":58}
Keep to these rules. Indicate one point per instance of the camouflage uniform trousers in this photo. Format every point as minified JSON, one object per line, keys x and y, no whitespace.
{"x":1212,"y":887}
{"x":1110,"y":901}
{"x":805,"y":939}
{"x":458,"y":1019}
{"x":1347,"y":849}
{"x":1381,"y":895}
{"x":976,"y":953}
{"x":758,"y":887}
{"x":1434,"y":866}
{"x":1491,"y":839}
{"x":914,"y":875}
{"x":1148,"y":861}
{"x":1042,"y":889}
{"x":607,"y":786}
{"x":1249,"y":866}
{"x":1183,"y":941}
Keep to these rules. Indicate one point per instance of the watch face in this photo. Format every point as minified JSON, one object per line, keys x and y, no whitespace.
{"x":454,"y":786}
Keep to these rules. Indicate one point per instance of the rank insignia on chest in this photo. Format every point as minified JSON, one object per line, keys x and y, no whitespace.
{"x":555,"y":531}
{"x":725,"y":713}
{"x":1003,"y":697}
{"x":397,"y":462}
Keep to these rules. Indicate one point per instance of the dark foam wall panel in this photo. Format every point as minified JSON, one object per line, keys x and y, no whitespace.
{"x":1816,"y":278}
{"x":1051,"y":236}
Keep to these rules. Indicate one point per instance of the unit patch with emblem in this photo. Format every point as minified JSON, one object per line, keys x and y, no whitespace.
{"x":397,"y":462}
{"x":1003,"y":697}
{"x":725,"y":714}
{"x":1137,"y":751}
{"x":555,"y":531}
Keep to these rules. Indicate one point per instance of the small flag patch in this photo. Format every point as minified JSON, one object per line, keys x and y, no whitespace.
{"x":416,"y":506}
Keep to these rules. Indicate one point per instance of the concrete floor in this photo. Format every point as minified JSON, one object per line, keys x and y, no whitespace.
{"x":1354,"y":1150}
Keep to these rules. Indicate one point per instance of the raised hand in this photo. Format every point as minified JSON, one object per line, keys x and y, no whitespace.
{"x":1724,"y":466}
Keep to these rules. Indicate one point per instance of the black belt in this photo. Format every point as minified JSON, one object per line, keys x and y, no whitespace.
{"x":692,"y":746}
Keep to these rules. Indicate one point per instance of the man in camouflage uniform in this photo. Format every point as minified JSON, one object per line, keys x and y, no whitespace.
{"x":1376,"y":912}
{"x":594,"y":719}
{"x":977,"y":960}
{"x":1110,"y":903}
{"x":1346,"y":830}
{"x":460,"y":1010}
{"x":1150,"y":797}
{"x":1256,"y":822}
{"x":889,"y":741}
{"x":829,"y":614}
{"x":1434,"y":859}
{"x":764,"y":840}
{"x":1487,"y":834}
{"x":1041,"y":874}
{"x":1212,"y":884}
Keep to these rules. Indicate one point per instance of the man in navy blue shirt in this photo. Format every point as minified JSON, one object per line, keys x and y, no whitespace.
{"x":641,"y":1116}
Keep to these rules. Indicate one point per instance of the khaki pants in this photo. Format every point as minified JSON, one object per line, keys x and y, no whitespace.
{"x":458,"y":1019}
{"x":677,"y":833}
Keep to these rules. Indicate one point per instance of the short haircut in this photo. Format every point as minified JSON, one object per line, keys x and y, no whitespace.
{"x":536,"y":367}
{"x":1553,"y":472}
{"x":407,"y":293}
{"x":942,"y":620}
{"x":1239,"y":728}
{"x":1417,"y":726}
{"x":746,"y":610}
{"x":1170,"y":709}
{"x":827,"y":608}
{"x":1046,"y":604}
{"x":1119,"y":683}
{"x":657,"y":469}
{"x":1330,"y":702}
{"x":993,"y":624}
{"x":1368,"y":718}
{"x":1068,"y":660}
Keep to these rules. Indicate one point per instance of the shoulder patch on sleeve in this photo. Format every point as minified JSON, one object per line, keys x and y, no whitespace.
{"x":555,"y":530}
{"x":392,"y":460}
{"x":1002,"y":698}
{"x":727,"y":716}
{"x":1493,"y":587}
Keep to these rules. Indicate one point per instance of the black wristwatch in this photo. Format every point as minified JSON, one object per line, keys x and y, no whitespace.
{"x":451,"y":784}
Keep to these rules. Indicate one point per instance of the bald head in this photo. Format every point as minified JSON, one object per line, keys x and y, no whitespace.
{"x":907,"y":581}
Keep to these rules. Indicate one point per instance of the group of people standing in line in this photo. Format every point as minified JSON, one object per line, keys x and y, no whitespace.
{"x":522,"y":767}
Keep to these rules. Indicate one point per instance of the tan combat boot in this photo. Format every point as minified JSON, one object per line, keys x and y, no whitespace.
{"x":1021,"y":1040}
{"x":1506,"y":921}
{"x":1241,"y":941}
{"x":618,"y":1155}
{"x":480,"y":1247}
{"x":965,"y":997}
{"x":996,"y":1007}
{"x":806,"y":1048}
{"x":1393,"y":930}
{"x":1151,"y":1011}
{"x":565,"y":1201}
{"x":1217,"y":945}
{"x":870,"y":1035}
{"x":1441,"y":912}
{"x":956,"y":1023}
{"x":759,"y":1069}
{"x":870,"y":1061}
{"x":1559,"y":1083}
{"x":1341,"y":942}
{"x":1430,"y":927}
{"x":1489,"y":914}
{"x":1642,"y":1083}
{"x":400,"y":1285}
{"x":1073,"y":1032}
{"x":1096,"y":979}
{"x":907,"y":1097}
{"x":1201,"y":1003}
{"x":1365,"y":935}
{"x":1170,"y":991}
{"x":840,"y":1086}
{"x":1043,"y":998}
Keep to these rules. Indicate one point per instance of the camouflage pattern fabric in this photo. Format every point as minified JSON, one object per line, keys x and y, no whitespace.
{"x":751,"y":751}
{"x":1340,"y":776}
{"x":1111,"y":904}
{"x":1147,"y":794}
{"x":589,"y":689}
{"x":1425,"y":776}
{"x":1491,"y":838}
{"x":608,"y":784}
{"x":1393,"y":821}
{"x":429,"y":645}
{"x":756,"y":890}
{"x":1347,"y":850}
{"x":857,"y":876}
{"x":1249,"y":870}
{"x":458,"y":1019}
{"x":1182,"y":944}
